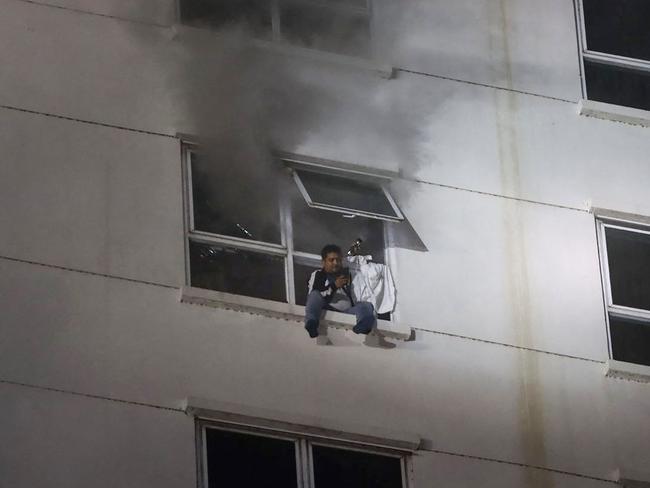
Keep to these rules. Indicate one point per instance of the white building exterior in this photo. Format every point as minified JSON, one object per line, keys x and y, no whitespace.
{"x":504,"y":380}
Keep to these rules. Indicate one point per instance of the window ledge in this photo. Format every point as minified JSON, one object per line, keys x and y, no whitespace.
{"x":383,"y":70}
{"x":246,"y":415}
{"x":286,"y":311}
{"x":616,"y":113}
{"x":627,"y":371}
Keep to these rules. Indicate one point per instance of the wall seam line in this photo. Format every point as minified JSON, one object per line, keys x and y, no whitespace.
{"x":89,"y":395}
{"x":504,"y":344}
{"x":514,"y":463}
{"x":93,"y":273}
{"x":486,"y":193}
{"x":96,"y":14}
{"x":84,"y":121}
{"x":484,"y":85}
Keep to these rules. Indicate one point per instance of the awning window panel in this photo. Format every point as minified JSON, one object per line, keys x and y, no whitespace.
{"x":347,"y":195}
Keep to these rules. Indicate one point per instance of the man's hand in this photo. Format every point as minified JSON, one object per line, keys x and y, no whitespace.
{"x":341,"y":281}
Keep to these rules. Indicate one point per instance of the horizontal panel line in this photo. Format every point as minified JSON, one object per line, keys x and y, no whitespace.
{"x":85,"y":121}
{"x":505,"y":344}
{"x":89,"y":395}
{"x":484,"y":85}
{"x":83,"y":271}
{"x":515,"y":463}
{"x":96,"y":14}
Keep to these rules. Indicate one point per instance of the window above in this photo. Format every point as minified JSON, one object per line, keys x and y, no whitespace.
{"x":625,"y":257}
{"x":337,"y":26}
{"x":616,"y":52}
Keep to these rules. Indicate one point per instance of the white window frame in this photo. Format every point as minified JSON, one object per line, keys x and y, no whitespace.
{"x":638,"y":315}
{"x":601,"y":57}
{"x":303,"y":448}
{"x":284,"y":249}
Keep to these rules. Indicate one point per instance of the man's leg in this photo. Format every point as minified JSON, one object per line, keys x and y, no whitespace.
{"x":313,"y":309}
{"x":365,"y":314}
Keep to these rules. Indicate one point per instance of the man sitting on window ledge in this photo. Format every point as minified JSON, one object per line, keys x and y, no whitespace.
{"x":329,"y":289}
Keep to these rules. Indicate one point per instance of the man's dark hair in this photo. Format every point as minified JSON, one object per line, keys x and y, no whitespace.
{"x":328,"y":249}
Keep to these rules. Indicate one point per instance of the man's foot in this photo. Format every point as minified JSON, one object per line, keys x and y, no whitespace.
{"x":364,"y":326}
{"x":311,"y":326}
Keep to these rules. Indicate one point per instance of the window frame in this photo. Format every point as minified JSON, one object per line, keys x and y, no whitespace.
{"x":637,"y":315}
{"x":303,"y":449}
{"x":599,"y":57}
{"x":338,"y":6}
{"x":284,"y":249}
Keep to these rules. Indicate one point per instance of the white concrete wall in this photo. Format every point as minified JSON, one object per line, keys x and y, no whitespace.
{"x":507,"y":363}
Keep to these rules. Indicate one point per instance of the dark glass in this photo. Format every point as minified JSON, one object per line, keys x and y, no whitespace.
{"x":248,"y":461}
{"x":630,"y":341}
{"x":301,"y":275}
{"x":336,"y":468}
{"x":232,"y":205}
{"x":346,"y":193}
{"x":235,"y":271}
{"x":628,"y":254}
{"x":324,"y":28}
{"x":617,"y":85}
{"x":313,"y":228}
{"x":253,"y":14}
{"x":618,"y":27}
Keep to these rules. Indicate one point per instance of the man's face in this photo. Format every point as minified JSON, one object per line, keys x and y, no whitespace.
{"x":332,"y":263}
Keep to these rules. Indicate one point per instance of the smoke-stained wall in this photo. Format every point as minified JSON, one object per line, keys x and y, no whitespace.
{"x":507,"y":358}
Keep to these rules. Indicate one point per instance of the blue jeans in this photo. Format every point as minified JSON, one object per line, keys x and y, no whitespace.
{"x":364,"y":312}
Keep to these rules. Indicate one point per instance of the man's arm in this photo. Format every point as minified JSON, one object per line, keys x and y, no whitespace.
{"x":318,"y":282}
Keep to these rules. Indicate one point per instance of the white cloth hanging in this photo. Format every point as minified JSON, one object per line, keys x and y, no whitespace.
{"x":373,"y":283}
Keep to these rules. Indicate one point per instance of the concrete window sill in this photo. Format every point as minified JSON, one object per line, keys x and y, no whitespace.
{"x":286,"y":311}
{"x":616,"y":113}
{"x":627,"y":371}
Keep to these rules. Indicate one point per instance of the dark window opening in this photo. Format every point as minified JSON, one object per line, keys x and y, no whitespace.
{"x":334,"y":468}
{"x":618,"y":27}
{"x":617,"y":85}
{"x":216,"y":14}
{"x":628,"y":256}
{"x":236,"y":271}
{"x":247,"y":461}
{"x":630,"y":340}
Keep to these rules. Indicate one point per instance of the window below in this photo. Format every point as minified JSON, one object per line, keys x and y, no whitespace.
{"x":263,"y":239}
{"x":625,"y":257}
{"x":337,"y":26}
{"x":616,"y":52}
{"x":251,"y":458}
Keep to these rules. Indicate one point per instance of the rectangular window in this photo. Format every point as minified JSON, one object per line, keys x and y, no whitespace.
{"x":625,"y":257}
{"x":616,"y":51}
{"x":263,"y":239}
{"x":338,"y":26}
{"x":252,"y":458}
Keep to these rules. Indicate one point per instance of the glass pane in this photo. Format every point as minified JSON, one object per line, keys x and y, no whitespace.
{"x":325,"y":28}
{"x":301,"y":274}
{"x":334,"y":468}
{"x":346,"y":193}
{"x":235,"y":271}
{"x":620,"y":86}
{"x":630,"y":341}
{"x":629,"y":267}
{"x":314,"y":228}
{"x":229,"y":204}
{"x":618,"y":27}
{"x":254,"y":14}
{"x":248,"y":461}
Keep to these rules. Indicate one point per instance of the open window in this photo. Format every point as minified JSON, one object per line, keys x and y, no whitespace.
{"x":263,"y":238}
{"x":616,"y":51}
{"x":337,"y":26}
{"x":625,"y":258}
{"x":252,"y":458}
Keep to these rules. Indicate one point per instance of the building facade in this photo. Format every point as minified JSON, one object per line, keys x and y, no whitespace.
{"x":512,"y":138}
